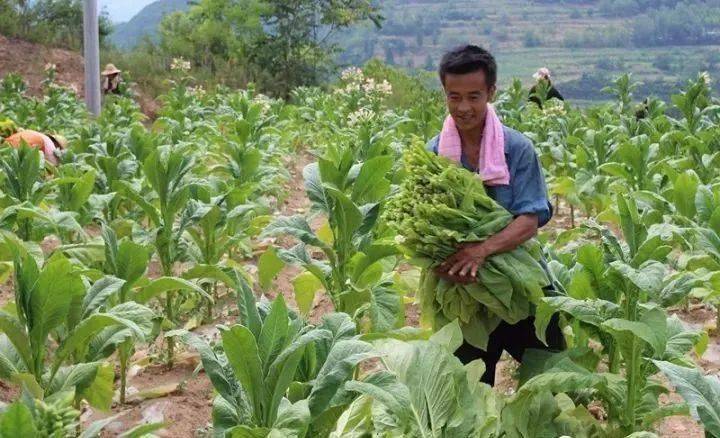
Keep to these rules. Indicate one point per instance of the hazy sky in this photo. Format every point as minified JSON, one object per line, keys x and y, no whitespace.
{"x":123,"y":10}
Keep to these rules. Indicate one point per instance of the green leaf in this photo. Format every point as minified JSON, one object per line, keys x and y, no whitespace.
{"x":684,"y":192}
{"x":211,"y":272}
{"x":297,"y":227}
{"x":370,"y":184}
{"x":99,"y":393}
{"x":648,"y":277}
{"x":99,"y":293}
{"x":337,"y":369}
{"x":127,"y":190}
{"x":386,"y":308}
{"x":15,"y":332}
{"x":244,"y":358}
{"x":346,"y":215}
{"x":28,"y":383}
{"x":132,"y":261}
{"x":274,"y":332}
{"x":166,"y":284}
{"x":449,"y":337}
{"x":269,"y":266}
{"x":84,"y":331}
{"x":50,"y":298}
{"x":306,"y":285}
{"x":212,"y":364}
{"x":249,"y":316}
{"x":292,"y":420}
{"x":651,"y":328}
{"x":17,"y":421}
{"x":701,"y":392}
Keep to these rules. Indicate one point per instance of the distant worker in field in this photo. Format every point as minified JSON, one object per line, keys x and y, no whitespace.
{"x":111,"y":80}
{"x":543,"y":85}
{"x":51,"y":145}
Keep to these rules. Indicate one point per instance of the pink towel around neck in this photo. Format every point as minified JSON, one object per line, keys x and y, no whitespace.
{"x":492,"y":166}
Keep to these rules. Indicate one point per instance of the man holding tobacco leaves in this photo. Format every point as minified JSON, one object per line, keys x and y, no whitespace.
{"x":506,"y":161}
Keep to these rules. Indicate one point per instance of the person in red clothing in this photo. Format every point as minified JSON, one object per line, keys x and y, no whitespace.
{"x":50,"y":145}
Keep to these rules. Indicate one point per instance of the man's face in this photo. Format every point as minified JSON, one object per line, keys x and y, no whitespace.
{"x":467,"y":97}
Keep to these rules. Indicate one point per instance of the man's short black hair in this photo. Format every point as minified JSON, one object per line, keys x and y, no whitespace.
{"x":469,"y":59}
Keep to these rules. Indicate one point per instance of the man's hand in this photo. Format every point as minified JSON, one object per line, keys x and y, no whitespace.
{"x":462,"y":266}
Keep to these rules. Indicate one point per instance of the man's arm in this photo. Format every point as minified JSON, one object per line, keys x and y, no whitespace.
{"x":462,"y":266}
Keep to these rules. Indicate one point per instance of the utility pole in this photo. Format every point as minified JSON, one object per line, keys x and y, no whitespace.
{"x":91,"y":46}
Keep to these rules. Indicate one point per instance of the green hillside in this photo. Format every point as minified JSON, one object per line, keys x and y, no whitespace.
{"x":145,"y":23}
{"x":584,"y":42}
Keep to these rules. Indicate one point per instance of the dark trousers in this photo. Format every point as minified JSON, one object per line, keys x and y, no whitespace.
{"x":515,"y":339}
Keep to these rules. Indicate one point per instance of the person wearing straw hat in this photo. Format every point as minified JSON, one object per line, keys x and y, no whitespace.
{"x":544,"y":82}
{"x":111,"y":79}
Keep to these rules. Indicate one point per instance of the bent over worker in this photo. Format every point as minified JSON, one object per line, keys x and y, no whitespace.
{"x":509,"y":167}
{"x":50,"y":145}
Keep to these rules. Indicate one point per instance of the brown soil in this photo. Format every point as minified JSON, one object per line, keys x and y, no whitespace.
{"x":29,"y":60}
{"x":186,"y":410}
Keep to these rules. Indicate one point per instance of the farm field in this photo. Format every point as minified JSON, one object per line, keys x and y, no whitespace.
{"x":250,"y":267}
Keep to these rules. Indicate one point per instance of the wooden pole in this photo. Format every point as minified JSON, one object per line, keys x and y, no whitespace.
{"x":91,"y":37}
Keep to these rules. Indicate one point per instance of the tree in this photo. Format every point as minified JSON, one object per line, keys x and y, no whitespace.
{"x":296,"y":48}
{"x":281,"y":44}
{"x":51,"y":22}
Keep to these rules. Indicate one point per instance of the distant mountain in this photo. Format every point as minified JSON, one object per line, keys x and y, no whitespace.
{"x":121,"y":11}
{"x":145,"y":23}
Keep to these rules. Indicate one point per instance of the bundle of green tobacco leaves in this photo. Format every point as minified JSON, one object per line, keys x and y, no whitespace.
{"x":439,"y":206}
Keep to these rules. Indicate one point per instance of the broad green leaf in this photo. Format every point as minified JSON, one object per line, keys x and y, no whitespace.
{"x":269,"y":266}
{"x":132,"y":261}
{"x":85,"y":330}
{"x":211,"y":272}
{"x":648,"y":277}
{"x":244,"y":358}
{"x":212,"y":364}
{"x":28,"y":383}
{"x":371,"y":185}
{"x":283,"y":370}
{"x":50,"y":298}
{"x":386,"y":308}
{"x":17,"y":421}
{"x":305,"y":285}
{"x":99,"y":293}
{"x":297,"y":227}
{"x":15,"y":332}
{"x":274,"y":332}
{"x":249,"y":316}
{"x":99,"y":393}
{"x":701,"y":392}
{"x":651,"y":329}
{"x":684,"y":193}
{"x":166,"y":284}
{"x":449,"y":337}
{"x":338,"y":368}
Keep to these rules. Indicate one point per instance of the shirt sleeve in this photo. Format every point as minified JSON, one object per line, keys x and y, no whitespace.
{"x":528,"y":186}
{"x":432,"y":145}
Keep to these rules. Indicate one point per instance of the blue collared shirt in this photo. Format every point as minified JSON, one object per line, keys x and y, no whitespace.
{"x":527,"y":191}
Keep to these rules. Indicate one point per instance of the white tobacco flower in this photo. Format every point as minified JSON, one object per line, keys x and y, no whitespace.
{"x":50,"y":66}
{"x":360,"y":116}
{"x":180,"y":64}
{"x":384,"y":88}
{"x":705,"y":77}
{"x":351,"y":74}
